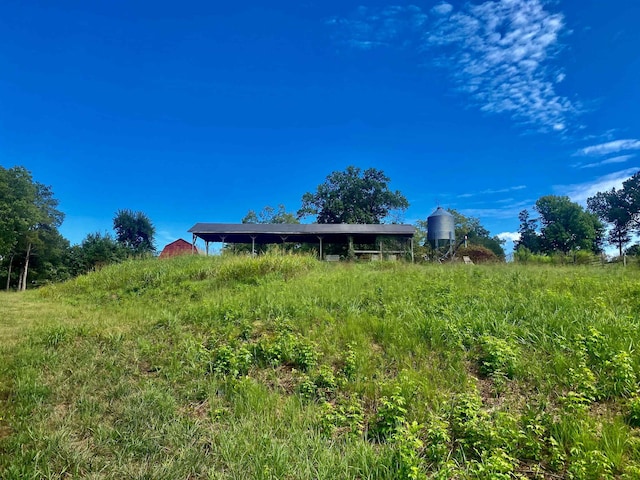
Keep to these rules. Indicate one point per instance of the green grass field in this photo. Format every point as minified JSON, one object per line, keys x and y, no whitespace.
{"x":281,"y":367}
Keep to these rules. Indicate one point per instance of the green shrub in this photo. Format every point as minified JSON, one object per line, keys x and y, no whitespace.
{"x":496,"y":356}
{"x":633,"y":414}
{"x":494,"y":465}
{"x":408,"y":447}
{"x":349,"y":364}
{"x":583,"y":388}
{"x":325,"y":381}
{"x":287,"y":349}
{"x":344,"y":418}
{"x":589,"y":465}
{"x":619,"y":376}
{"x":229,"y":361}
{"x":390,"y":416}
{"x":437,"y":440}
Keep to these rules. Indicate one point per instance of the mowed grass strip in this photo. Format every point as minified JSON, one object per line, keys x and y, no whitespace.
{"x":284,"y":367}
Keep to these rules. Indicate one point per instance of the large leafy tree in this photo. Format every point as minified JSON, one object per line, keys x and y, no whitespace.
{"x":353,"y":196}
{"x":528,"y":231}
{"x":631,"y":199}
{"x":28,"y":218}
{"x":134,"y":231}
{"x":50,"y":258}
{"x":566,"y":226}
{"x":612,"y":208}
{"x":96,"y":250}
{"x":620,"y":209}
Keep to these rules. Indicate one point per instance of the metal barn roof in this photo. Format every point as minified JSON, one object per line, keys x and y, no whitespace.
{"x":305,"y":233}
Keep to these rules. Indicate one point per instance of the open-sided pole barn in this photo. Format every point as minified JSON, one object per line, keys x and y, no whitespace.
{"x":319,"y":234}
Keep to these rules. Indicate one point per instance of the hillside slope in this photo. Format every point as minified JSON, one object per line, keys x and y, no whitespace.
{"x":284,"y":367}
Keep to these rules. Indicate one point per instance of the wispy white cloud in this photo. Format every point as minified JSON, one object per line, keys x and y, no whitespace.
{"x":607,"y":161}
{"x":493,"y":191}
{"x":509,"y":236}
{"x":442,"y":9}
{"x":579,"y":192}
{"x":369,"y":27}
{"x":497,"y":52}
{"x":608,"y":148}
{"x":505,"y":211}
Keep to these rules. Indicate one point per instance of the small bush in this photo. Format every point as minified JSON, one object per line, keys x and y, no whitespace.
{"x":437,"y":440}
{"x":287,"y":349}
{"x":349,"y":366}
{"x":344,"y":418}
{"x":496,"y":357}
{"x":633,"y":414}
{"x":391,"y":414}
{"x":325,"y":381}
{"x":620,"y":378}
{"x":495,"y":465}
{"x":408,"y":447}
{"x":583,"y":388}
{"x":229,"y":361}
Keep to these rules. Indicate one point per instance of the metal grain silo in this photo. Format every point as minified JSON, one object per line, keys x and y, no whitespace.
{"x":441,"y":227}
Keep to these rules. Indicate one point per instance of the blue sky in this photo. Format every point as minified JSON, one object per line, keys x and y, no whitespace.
{"x":200,"y":111}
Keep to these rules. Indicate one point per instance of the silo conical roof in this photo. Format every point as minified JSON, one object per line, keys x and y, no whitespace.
{"x":440,"y":211}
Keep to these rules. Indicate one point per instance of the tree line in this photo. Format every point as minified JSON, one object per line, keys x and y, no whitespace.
{"x":563,"y":226}
{"x":33,"y":251}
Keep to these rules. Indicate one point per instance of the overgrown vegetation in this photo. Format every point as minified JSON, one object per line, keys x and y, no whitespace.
{"x":284,"y":367}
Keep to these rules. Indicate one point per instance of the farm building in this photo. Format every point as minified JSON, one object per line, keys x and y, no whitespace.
{"x":318,"y":234}
{"x":179,"y":247}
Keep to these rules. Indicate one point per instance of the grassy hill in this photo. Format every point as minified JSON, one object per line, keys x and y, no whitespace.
{"x":283,"y":367}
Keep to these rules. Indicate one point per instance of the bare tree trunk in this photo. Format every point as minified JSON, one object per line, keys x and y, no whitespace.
{"x":26,"y":267}
{"x":9,"y":274}
{"x":20,"y":275}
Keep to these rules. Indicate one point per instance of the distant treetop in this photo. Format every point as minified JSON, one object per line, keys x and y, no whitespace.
{"x":353,"y":196}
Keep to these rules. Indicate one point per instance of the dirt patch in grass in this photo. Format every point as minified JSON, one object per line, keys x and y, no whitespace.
{"x":199,"y":410}
{"x":282,"y":378}
{"x":5,"y":431}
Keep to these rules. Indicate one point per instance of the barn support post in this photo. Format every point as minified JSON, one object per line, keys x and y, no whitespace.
{"x":284,"y":239}
{"x":320,"y":238}
{"x":253,"y":245}
{"x":381,"y":257}
{"x":206,"y":246}
{"x":193,"y":244}
{"x":411,"y":243}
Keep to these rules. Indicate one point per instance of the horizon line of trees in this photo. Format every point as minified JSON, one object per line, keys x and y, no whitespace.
{"x":563,"y":226}
{"x":32,"y":250}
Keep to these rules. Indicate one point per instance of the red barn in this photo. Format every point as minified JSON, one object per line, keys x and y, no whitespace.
{"x":179,"y":247}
